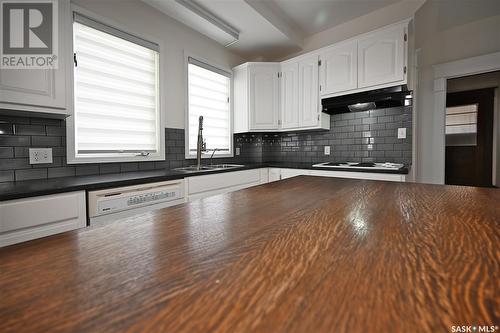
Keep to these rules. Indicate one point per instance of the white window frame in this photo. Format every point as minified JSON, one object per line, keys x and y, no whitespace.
{"x":208,"y":154}
{"x":71,"y":155}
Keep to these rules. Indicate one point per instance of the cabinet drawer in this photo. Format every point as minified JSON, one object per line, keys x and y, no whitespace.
{"x":31,"y":218}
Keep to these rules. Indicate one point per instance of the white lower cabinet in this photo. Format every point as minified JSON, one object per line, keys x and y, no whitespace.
{"x":198,"y":187}
{"x":30,"y":218}
{"x":289,"y":173}
{"x":360,"y":175}
{"x":274,"y":174}
{"x":283,"y":173}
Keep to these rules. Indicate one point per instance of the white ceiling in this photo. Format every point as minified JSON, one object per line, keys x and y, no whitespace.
{"x":313,"y":16}
{"x":270,"y":29}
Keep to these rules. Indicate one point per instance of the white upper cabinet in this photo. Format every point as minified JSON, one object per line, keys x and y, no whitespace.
{"x":381,"y":57}
{"x":256,"y":97}
{"x":289,"y":95}
{"x":339,"y":68}
{"x":308,"y":91}
{"x":263,"y":97}
{"x":267,"y":101}
{"x":40,"y":90}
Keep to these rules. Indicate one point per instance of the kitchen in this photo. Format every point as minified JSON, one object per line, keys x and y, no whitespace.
{"x":252,"y":166}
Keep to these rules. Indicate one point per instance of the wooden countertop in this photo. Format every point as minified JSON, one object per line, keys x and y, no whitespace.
{"x":307,"y":254}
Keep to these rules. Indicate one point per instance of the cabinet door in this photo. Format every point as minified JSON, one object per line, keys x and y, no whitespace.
{"x":381,"y":57}
{"x":263,"y":97}
{"x":45,"y":88}
{"x":208,"y":185}
{"x":274,"y":174}
{"x":30,"y":218}
{"x":308,"y":91}
{"x":289,"y":95}
{"x":289,"y":173}
{"x":339,"y":68}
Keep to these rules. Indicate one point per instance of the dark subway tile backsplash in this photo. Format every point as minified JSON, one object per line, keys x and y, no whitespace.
{"x":361,"y":136}
{"x":369,"y":136}
{"x":18,"y":134}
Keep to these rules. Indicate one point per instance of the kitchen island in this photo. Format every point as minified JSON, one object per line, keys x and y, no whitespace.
{"x":307,"y":254}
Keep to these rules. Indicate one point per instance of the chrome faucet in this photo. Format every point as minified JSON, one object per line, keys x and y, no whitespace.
{"x":201,"y":145}
{"x":213,"y":153}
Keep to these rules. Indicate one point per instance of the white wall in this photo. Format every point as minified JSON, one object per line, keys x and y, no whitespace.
{"x":488,"y":80}
{"x":377,"y":19}
{"x":174,"y":39}
{"x":446,"y":30}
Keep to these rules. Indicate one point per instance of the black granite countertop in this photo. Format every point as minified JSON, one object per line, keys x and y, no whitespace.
{"x":32,"y":188}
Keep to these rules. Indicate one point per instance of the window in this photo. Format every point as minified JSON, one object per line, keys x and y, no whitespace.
{"x":116,"y":96}
{"x":461,"y":125}
{"x":208,"y":96}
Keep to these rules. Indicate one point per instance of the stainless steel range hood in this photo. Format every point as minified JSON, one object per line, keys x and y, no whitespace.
{"x":368,"y":100}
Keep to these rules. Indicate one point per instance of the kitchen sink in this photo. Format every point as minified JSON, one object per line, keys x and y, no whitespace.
{"x":207,"y":168}
{"x":225,"y":166}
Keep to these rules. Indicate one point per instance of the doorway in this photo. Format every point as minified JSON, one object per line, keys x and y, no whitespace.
{"x":469,"y":137}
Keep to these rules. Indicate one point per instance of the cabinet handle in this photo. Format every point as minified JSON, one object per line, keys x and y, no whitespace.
{"x":74,"y":59}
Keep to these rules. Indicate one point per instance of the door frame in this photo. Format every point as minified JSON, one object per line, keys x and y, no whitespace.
{"x":442,"y":72}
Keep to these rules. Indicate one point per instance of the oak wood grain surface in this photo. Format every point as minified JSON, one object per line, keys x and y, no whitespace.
{"x":307,"y":254}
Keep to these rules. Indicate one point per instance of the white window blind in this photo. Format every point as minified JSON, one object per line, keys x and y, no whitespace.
{"x":116,"y":92}
{"x":208,"y":94}
{"x":461,"y":125}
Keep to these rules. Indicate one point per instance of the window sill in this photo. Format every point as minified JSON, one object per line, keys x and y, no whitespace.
{"x":123,"y":159}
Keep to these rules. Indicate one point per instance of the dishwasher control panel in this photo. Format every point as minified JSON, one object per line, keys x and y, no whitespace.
{"x":150,"y":197}
{"x":127,"y":198}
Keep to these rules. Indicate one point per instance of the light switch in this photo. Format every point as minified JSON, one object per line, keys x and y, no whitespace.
{"x":327,"y":150}
{"x":402,"y":133}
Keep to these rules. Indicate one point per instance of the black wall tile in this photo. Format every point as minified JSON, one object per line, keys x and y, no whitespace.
{"x":30,"y":129}
{"x":13,"y":163}
{"x":55,"y":131}
{"x":7,"y":176}
{"x":128,"y":167}
{"x":6,"y":128}
{"x":360,"y":136}
{"x":28,"y":174}
{"x":21,"y":152}
{"x":46,"y":141}
{"x":61,"y":172}
{"x":6,"y":152}
{"x":87,"y":169}
{"x":109,"y":168}
{"x":14,"y":141}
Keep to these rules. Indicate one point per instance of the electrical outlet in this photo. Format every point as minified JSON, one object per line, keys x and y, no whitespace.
{"x":402,"y":133}
{"x":237,"y":151}
{"x":327,"y":150}
{"x":40,"y":155}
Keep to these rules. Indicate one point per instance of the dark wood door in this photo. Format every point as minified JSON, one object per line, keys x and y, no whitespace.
{"x":469,"y":138}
